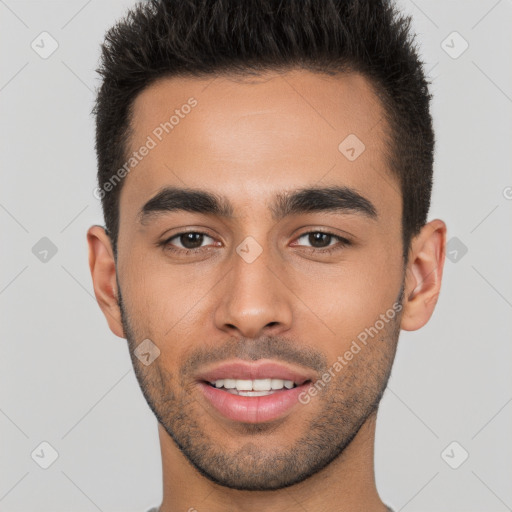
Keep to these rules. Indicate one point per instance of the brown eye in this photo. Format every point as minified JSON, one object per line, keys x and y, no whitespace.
{"x":191,"y":240}
{"x":187,"y":241}
{"x":321,"y":240}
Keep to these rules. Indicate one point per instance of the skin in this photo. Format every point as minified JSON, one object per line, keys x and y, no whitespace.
{"x":248,"y":140}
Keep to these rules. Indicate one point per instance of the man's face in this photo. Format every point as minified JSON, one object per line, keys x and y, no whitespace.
{"x":258,"y":286}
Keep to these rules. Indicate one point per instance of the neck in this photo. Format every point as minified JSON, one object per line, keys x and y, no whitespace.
{"x":347,"y":484}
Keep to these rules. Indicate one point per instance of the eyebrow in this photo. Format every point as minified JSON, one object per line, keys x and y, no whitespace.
{"x":333,"y":199}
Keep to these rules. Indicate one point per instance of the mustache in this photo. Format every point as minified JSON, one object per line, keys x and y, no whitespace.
{"x":250,"y":349}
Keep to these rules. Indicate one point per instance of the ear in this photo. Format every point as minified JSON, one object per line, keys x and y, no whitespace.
{"x":423,"y":275}
{"x":103,"y":271}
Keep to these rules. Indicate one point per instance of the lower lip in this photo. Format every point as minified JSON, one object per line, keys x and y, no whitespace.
{"x":252,"y":409}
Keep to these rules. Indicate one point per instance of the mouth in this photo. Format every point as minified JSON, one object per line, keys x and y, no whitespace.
{"x":256,"y":387}
{"x":253,"y":393}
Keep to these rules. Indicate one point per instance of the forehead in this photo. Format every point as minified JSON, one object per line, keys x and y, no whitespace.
{"x":248,"y":138}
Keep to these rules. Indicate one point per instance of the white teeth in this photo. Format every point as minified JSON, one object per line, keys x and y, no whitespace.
{"x":250,"y":393}
{"x":229,"y":383}
{"x":277,"y":384}
{"x":262,"y":384}
{"x":243,"y":385}
{"x":255,"y":385}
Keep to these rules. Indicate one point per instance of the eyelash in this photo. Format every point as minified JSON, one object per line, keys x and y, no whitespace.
{"x":342,"y":243}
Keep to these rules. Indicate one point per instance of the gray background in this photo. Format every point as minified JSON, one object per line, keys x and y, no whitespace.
{"x":66,"y":380}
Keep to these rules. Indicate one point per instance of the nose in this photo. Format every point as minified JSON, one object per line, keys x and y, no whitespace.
{"x":255,"y":301}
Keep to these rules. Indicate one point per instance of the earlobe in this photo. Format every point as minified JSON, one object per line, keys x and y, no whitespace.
{"x":424,"y":275}
{"x":103,"y":272}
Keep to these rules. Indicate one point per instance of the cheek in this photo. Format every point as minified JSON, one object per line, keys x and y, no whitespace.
{"x":168,"y":300}
{"x":345,"y":300}
{"x":145,"y":295}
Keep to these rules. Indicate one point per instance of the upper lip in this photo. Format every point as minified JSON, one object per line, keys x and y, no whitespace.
{"x":250,"y":371}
